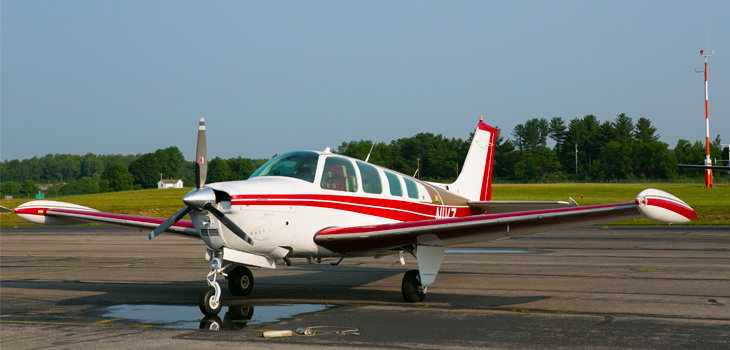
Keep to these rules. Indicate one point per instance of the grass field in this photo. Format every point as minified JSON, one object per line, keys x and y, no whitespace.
{"x":711,"y":205}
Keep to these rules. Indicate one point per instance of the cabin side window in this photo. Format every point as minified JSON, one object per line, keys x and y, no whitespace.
{"x":411,"y":188}
{"x":339,"y":175}
{"x":370,"y":178}
{"x":394,"y":183}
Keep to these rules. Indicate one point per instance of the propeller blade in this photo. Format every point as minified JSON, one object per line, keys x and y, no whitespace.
{"x":227,"y":223}
{"x":169,"y":222}
{"x":201,"y":154}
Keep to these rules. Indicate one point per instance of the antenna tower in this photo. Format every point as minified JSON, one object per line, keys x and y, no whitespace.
{"x":708,"y":172}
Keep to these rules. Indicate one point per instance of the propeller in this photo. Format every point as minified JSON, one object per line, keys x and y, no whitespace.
{"x":200,"y":198}
{"x":169,"y":222}
{"x":201,"y":153}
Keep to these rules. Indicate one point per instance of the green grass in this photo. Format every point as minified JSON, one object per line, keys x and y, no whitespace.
{"x":711,"y":205}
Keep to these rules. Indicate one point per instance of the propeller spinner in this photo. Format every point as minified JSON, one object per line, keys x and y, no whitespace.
{"x":200,"y":199}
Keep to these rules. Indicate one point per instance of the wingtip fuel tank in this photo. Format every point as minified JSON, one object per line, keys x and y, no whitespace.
{"x":663,"y":207}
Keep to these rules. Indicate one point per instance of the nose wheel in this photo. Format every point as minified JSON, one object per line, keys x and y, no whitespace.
{"x":209,"y":304}
{"x":210,"y":300}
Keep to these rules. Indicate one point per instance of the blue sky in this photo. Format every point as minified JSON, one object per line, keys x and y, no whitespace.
{"x":129,"y":77}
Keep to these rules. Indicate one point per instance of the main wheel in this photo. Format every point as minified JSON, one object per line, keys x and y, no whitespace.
{"x":207,"y":303}
{"x":240,"y":281}
{"x":411,"y":287}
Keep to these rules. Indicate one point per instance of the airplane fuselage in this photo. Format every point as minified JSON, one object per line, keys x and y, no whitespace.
{"x":283,"y":212}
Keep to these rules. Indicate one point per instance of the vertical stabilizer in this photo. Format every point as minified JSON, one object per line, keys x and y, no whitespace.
{"x":475,"y":180}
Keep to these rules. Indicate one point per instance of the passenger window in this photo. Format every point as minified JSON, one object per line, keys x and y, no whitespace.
{"x":370,"y":178}
{"x":411,"y":188}
{"x":339,"y":175}
{"x":394,"y":183}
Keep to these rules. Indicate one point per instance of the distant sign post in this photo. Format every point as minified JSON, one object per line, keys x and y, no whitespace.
{"x":39,"y":196}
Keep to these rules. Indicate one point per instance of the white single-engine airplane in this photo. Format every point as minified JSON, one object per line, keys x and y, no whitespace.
{"x":319,"y":204}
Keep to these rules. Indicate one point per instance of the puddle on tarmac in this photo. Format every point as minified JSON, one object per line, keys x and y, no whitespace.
{"x":491,"y":251}
{"x":190,"y":317}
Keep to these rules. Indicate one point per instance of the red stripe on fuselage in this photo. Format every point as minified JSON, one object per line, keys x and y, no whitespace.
{"x":385,"y":208}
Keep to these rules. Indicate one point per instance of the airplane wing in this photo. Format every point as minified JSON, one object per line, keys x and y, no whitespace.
{"x":654,"y":204}
{"x":60,"y":213}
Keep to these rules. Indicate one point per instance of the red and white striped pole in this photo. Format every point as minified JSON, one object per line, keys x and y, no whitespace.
{"x":708,"y":172}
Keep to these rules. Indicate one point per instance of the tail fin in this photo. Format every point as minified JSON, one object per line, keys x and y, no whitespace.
{"x":475,"y":180}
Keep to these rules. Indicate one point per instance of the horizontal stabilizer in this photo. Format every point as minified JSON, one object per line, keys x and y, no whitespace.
{"x":711,"y":167}
{"x":499,"y":207}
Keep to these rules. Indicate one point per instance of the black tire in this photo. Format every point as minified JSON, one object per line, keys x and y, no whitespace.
{"x":212,"y":323}
{"x":410,"y":287}
{"x":206,"y":303}
{"x":240,"y":281}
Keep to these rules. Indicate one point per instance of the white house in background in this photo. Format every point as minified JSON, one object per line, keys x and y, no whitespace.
{"x":170,"y":183}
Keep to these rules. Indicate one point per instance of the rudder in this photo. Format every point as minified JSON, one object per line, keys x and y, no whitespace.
{"x":475,"y":180}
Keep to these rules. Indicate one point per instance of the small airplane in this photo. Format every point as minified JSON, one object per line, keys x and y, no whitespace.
{"x":316,"y":205}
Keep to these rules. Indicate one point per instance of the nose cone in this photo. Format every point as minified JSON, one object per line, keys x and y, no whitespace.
{"x":663,"y":207}
{"x":198,"y":199}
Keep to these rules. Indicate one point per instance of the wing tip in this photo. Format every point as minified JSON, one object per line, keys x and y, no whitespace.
{"x":663,"y":207}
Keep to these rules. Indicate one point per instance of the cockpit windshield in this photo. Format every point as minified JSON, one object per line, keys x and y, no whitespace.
{"x":300,"y":165}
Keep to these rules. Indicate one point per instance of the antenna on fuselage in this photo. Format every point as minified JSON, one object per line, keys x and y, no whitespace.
{"x":371,"y":151}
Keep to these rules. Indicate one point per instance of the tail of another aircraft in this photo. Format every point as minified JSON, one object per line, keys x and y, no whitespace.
{"x":475,"y":180}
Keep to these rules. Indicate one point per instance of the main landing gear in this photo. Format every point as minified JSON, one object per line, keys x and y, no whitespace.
{"x":413,"y":291}
{"x":240,"y":283}
{"x":415,"y":282}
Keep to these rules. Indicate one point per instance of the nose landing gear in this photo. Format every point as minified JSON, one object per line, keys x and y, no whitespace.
{"x":240,"y":283}
{"x":210,"y":300}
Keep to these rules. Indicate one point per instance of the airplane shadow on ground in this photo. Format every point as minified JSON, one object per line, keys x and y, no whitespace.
{"x":303,"y":284}
{"x":353,"y":285}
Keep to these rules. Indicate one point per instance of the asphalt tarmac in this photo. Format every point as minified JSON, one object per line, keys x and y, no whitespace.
{"x":618,"y":287}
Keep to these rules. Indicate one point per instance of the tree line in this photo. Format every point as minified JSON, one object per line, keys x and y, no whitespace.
{"x":582,"y":149}
{"x":586,"y":149}
{"x":65,"y":174}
